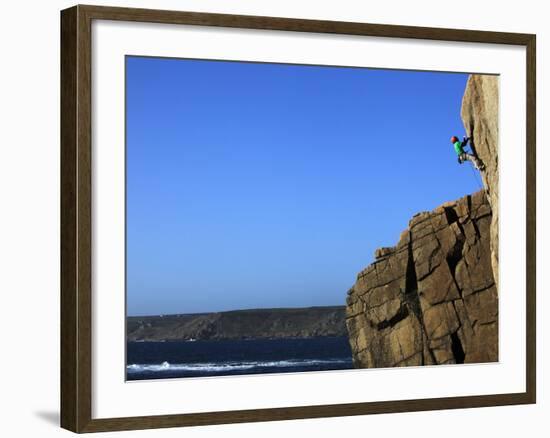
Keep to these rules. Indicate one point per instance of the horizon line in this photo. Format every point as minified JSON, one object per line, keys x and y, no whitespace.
{"x":235,"y":310}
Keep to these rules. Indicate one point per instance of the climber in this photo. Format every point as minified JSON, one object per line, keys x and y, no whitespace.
{"x":463,"y":155}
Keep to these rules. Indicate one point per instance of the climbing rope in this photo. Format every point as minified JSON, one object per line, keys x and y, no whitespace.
{"x":477,"y":179}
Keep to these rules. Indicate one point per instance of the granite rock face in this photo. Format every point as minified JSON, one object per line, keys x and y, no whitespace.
{"x":480,"y":118}
{"x":432,"y":298}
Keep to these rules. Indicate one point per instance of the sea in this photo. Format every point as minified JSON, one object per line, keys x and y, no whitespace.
{"x":200,"y":358}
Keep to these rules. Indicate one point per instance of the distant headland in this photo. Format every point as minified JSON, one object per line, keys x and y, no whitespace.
{"x":273,"y":323}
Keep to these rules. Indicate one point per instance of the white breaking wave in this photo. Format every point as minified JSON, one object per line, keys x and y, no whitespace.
{"x":228,"y":366}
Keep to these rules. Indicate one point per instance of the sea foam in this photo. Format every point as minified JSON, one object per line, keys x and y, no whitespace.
{"x":230,"y":366}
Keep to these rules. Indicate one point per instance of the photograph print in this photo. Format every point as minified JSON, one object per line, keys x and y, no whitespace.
{"x":295,"y":218}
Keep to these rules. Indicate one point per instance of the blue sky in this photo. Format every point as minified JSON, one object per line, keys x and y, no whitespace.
{"x":268,"y":185}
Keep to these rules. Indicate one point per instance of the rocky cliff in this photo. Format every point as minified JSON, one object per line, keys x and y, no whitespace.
{"x":432,"y":298}
{"x":240,"y":324}
{"x":480,"y":118}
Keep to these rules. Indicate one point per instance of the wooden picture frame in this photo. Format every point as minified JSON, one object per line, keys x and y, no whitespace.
{"x":76,"y":217}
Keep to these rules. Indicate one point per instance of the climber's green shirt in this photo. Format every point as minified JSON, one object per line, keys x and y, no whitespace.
{"x":458,"y":147}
